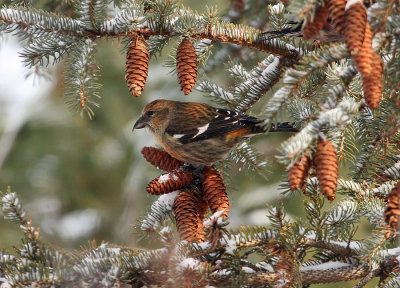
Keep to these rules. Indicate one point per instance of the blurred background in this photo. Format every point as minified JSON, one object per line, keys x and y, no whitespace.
{"x":84,"y":179}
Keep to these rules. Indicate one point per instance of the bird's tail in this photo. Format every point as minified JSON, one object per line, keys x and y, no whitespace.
{"x":275,"y":127}
{"x":283,"y":127}
{"x":294,"y":31}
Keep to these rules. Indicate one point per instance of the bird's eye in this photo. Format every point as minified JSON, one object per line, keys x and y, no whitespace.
{"x":149,"y":113}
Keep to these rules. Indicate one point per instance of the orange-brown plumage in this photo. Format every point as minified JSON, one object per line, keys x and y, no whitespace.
{"x":236,"y":135}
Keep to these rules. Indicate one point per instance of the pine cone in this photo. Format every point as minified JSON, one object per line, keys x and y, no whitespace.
{"x":214,"y":191}
{"x":392,"y":212}
{"x":298,"y":172}
{"x":311,"y":29}
{"x":325,"y":161}
{"x":137,"y":65}
{"x":336,"y":14}
{"x":372,"y":83}
{"x":187,"y":216}
{"x":170,"y":182}
{"x":355,"y":18}
{"x":363,"y":59}
{"x":161,"y":159}
{"x":186,"y":65}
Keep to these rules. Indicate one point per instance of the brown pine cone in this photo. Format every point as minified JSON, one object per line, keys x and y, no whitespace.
{"x":392,"y":212}
{"x":186,"y":65}
{"x":214,"y":191}
{"x":355,"y":18}
{"x":363,"y":59}
{"x":137,"y":65}
{"x":161,"y":159}
{"x":170,"y":182}
{"x":336,"y":14}
{"x":311,"y":29}
{"x":326,"y":164}
{"x":187,"y":216}
{"x":372,"y":83}
{"x":298,"y":172}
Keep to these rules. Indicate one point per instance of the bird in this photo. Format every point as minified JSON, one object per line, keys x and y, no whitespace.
{"x":200,"y":134}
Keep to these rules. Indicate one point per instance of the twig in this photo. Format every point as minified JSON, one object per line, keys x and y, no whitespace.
{"x":367,"y":278}
{"x":205,"y":34}
{"x":336,"y":248}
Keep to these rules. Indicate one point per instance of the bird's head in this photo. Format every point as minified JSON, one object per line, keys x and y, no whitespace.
{"x":154,"y":115}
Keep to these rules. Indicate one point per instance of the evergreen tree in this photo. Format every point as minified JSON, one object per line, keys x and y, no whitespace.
{"x":340,"y":88}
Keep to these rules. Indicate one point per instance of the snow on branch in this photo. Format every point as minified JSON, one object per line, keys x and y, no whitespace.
{"x":48,"y":50}
{"x":214,"y":90}
{"x":129,"y":18}
{"x":37,"y":22}
{"x":92,"y":13}
{"x":260,"y":80}
{"x":159,"y":211}
{"x":393,"y":171}
{"x":14,"y":212}
{"x":293,"y":78}
{"x":81,"y":78}
{"x":297,"y":144}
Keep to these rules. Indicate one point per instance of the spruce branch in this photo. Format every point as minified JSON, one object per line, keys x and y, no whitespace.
{"x":92,"y":24}
{"x":297,"y":144}
{"x":14,"y":212}
{"x":260,"y":80}
{"x":248,"y":159}
{"x":92,"y":13}
{"x":158,"y":211}
{"x":314,"y":275}
{"x":294,"y":77}
{"x":130,"y":17}
{"x":219,"y":94}
{"x":38,"y":23}
{"x":50,"y":50}
{"x":81,"y":78}
{"x":337,"y":248}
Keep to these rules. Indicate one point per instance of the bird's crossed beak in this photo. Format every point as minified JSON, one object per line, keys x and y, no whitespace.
{"x":140,"y":123}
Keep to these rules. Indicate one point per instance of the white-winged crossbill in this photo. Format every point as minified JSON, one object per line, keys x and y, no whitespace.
{"x":197,"y":133}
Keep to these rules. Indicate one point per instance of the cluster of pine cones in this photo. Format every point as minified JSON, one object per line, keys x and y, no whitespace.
{"x":325,"y":163}
{"x":137,"y":65}
{"x":349,"y":18}
{"x":196,"y":196}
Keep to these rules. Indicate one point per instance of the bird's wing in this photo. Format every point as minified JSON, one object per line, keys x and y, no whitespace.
{"x":205,"y":122}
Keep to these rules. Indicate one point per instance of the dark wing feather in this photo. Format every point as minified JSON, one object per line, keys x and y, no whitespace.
{"x":210,"y":123}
